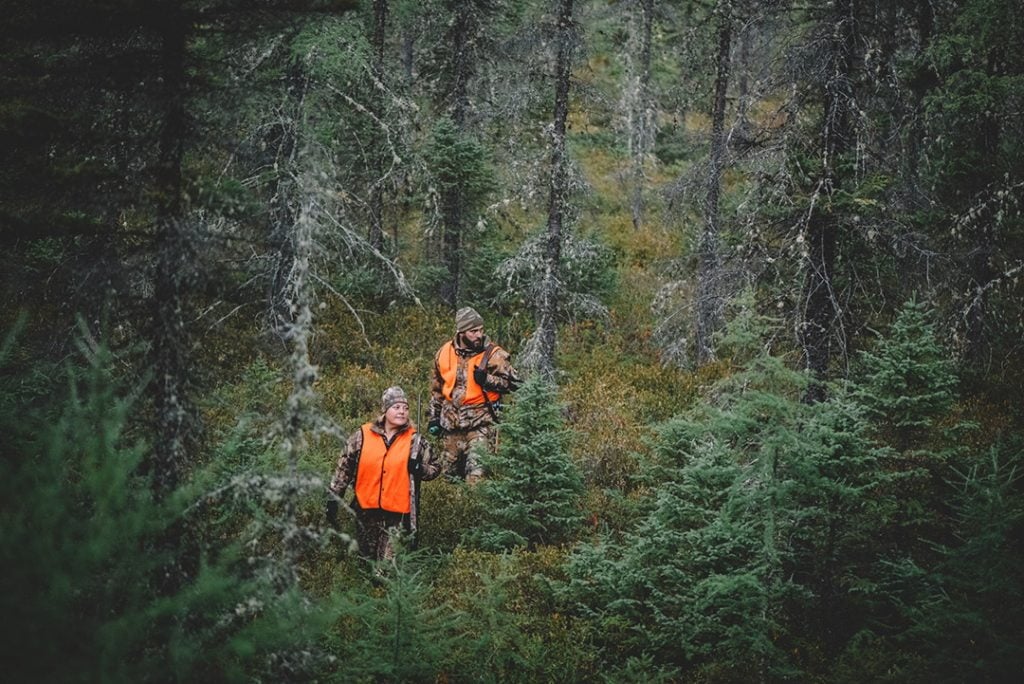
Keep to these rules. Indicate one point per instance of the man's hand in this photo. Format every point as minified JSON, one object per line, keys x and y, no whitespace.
{"x":434,"y":427}
{"x":332,"y":512}
{"x":480,"y":375}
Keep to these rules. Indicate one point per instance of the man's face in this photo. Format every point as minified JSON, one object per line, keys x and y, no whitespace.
{"x":474,"y":337}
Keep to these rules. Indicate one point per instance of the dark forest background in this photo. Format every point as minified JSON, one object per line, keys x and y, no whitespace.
{"x":760,"y":261}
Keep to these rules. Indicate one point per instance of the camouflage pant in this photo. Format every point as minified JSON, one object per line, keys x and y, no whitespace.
{"x":461,"y":459}
{"x":375,"y":531}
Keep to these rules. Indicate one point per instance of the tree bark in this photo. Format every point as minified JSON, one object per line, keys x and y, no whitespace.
{"x":376,"y":228}
{"x":642,"y":125}
{"x":282,"y":202}
{"x":551,"y":289}
{"x":821,"y":309}
{"x":709,"y":270}
{"x":980,"y":269}
{"x":453,"y":202}
{"x":175,"y":414}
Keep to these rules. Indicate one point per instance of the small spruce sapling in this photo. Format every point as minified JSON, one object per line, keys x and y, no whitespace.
{"x":533,"y":490}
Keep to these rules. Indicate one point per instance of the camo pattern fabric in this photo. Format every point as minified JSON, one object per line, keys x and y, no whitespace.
{"x":453,"y":416}
{"x":376,"y":532}
{"x":461,"y":460}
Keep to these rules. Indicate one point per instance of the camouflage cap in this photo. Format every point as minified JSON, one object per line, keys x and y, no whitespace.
{"x":467,"y":318}
{"x":392,"y":396}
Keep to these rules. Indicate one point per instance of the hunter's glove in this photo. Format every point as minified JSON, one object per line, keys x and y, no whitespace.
{"x":480,"y":375}
{"x":434,"y":427}
{"x":415,"y":467}
{"x":332,"y":512}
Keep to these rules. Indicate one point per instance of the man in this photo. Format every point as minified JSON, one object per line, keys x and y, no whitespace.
{"x":470,"y":376}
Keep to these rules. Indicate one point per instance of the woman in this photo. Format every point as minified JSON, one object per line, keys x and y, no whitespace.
{"x":384,"y":461}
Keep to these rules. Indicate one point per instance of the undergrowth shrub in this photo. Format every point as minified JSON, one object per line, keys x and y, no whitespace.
{"x":508,"y":631}
{"x":103,"y":582}
{"x":391,"y":631}
{"x":759,"y":508}
{"x":961,"y":613}
{"x":447,"y":511}
{"x":532,"y":491}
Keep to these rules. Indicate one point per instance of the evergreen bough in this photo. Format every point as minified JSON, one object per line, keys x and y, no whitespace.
{"x":761,"y":516}
{"x":102,"y":580}
{"x":909,"y":380}
{"x":532,"y":493}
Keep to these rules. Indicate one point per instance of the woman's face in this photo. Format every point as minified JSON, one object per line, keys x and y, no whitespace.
{"x":397,"y":415}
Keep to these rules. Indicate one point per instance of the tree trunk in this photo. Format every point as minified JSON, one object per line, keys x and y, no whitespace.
{"x":743,"y":82}
{"x":980,"y":269}
{"x":550,"y":289}
{"x":453,"y":200}
{"x":282,"y":210}
{"x":175,"y":414}
{"x":408,"y":53}
{"x":376,"y":228}
{"x":821,"y":308}
{"x":922,"y":82}
{"x":642,"y":125}
{"x":709,"y":270}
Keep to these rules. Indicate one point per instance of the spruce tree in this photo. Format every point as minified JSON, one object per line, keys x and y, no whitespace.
{"x":961,"y":615}
{"x":83,"y":547}
{"x":533,"y":488}
{"x":761,"y":512}
{"x":909,"y":380}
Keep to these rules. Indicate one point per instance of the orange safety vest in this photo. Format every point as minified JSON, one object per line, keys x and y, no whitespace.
{"x":448,"y":364}
{"x":382,"y":478}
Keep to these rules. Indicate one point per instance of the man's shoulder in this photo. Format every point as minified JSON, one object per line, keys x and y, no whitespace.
{"x":445,"y":348}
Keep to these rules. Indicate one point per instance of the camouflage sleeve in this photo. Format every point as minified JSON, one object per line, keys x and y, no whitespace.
{"x":431,"y":467}
{"x":501,"y":376}
{"x":345,"y":470}
{"x":436,"y":393}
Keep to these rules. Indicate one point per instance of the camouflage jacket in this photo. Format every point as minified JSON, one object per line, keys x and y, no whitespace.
{"x":453,"y":416}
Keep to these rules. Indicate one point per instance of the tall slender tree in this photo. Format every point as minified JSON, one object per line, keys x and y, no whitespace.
{"x":821,"y":309}
{"x":641,"y":127}
{"x":974,"y":165}
{"x":548,"y":305}
{"x":378,"y":145}
{"x":460,"y":62}
{"x":171,"y":336}
{"x":709,"y":258}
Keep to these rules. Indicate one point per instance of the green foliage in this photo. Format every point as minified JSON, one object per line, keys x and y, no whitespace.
{"x":909,"y":381}
{"x":508,"y":631}
{"x":754,"y":538}
{"x":392,"y":632}
{"x":448,"y":510}
{"x":458,"y":161}
{"x":759,"y":509}
{"x":965,"y":613}
{"x":485,"y":251}
{"x":102,"y":582}
{"x":532,"y":492}
{"x":585,"y":272}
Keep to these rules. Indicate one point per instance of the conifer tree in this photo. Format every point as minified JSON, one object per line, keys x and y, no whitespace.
{"x":83,"y":544}
{"x":908,"y":379}
{"x":962,"y":608}
{"x":393,"y":633}
{"x":533,"y":488}
{"x":761,"y":511}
